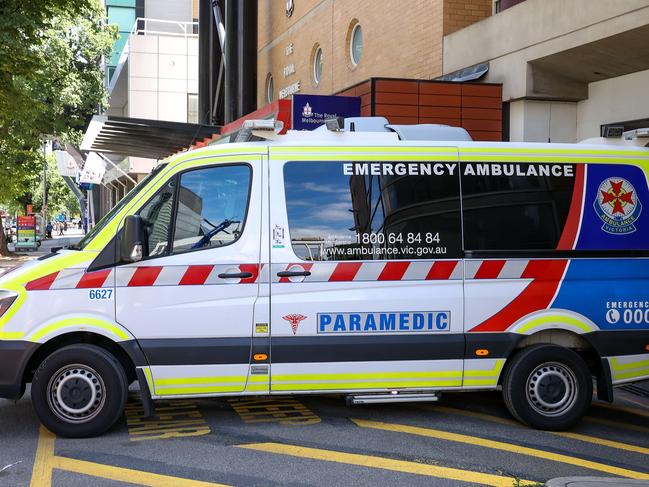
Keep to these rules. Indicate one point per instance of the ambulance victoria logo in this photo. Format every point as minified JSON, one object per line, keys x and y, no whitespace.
{"x":294,"y":320}
{"x":617,"y":205}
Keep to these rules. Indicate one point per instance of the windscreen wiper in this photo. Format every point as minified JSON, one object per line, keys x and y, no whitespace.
{"x":205,"y":239}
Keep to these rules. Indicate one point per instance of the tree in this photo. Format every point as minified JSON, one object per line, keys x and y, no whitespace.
{"x":60,"y":198}
{"x":51,"y":81}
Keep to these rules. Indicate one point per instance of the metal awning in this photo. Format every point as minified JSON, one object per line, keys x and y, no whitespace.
{"x":153,"y":139}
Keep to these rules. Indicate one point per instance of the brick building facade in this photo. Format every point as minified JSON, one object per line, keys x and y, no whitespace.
{"x":399,"y":40}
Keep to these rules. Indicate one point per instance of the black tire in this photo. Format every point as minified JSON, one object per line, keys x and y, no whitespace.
{"x":547,"y":387}
{"x":79,"y":391}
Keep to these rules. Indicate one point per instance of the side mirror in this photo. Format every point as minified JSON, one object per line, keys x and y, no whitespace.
{"x":132,"y":244}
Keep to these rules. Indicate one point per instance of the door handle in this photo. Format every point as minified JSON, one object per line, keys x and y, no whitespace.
{"x":293,"y":273}
{"x":235,"y":275}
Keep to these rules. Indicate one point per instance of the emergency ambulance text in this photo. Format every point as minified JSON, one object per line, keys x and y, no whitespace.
{"x":448,"y":169}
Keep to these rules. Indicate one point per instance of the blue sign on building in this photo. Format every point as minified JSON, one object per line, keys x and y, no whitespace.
{"x":311,"y":111}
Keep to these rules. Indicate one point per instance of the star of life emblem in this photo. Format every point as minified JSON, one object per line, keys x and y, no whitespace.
{"x":294,"y":320}
{"x":617,"y":205}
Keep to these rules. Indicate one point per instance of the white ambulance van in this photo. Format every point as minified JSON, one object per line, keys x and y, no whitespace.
{"x":383,"y":266}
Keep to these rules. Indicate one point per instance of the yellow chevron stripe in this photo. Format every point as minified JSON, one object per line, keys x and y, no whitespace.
{"x":321,"y":386}
{"x":368,"y":375}
{"x":82,"y":323}
{"x":543,"y":320}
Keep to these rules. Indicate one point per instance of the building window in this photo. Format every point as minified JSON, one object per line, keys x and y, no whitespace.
{"x":270,"y":88}
{"x":356,"y":44}
{"x":318,"y":63}
{"x":192,"y":108}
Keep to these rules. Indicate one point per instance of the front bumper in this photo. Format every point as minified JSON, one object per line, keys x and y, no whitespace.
{"x":14,"y":356}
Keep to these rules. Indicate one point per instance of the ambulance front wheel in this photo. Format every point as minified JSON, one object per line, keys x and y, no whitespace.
{"x":79,"y":391}
{"x":547,"y":387}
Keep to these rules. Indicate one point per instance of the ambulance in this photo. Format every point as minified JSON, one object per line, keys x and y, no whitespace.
{"x":379,"y":262}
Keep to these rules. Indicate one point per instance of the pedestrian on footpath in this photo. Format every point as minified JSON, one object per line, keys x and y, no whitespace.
{"x":48,"y":230}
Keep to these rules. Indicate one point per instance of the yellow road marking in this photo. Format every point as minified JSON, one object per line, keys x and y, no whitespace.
{"x":385,"y":464}
{"x":45,"y":461}
{"x":499,"y":445}
{"x":273,"y":410}
{"x":623,"y":409}
{"x":177,"y":419}
{"x":127,"y":475}
{"x":470,"y":414}
{"x":42,"y":471}
{"x":566,"y":434}
{"x":616,"y":424}
{"x":601,"y":441}
{"x":592,"y":419}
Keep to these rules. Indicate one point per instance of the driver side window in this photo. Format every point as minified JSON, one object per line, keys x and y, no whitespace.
{"x":212,"y":206}
{"x":156,"y":216}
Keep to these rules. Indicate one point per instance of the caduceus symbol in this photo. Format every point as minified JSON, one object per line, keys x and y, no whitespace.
{"x":294,"y":320}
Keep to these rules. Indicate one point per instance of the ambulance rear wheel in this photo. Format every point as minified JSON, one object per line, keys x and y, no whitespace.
{"x":79,"y":391}
{"x":547,"y":387}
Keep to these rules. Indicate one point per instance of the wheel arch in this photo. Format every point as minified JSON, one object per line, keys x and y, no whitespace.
{"x":128,"y":352}
{"x":555,"y":336}
{"x":580,"y":344}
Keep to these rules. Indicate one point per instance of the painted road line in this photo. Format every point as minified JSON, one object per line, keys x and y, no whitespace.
{"x":42,"y":471}
{"x":566,"y":434}
{"x":45,"y":461}
{"x":470,"y":414}
{"x":273,"y":410}
{"x":402,"y":466}
{"x":622,"y":409}
{"x":616,"y":424}
{"x":174,"y":419}
{"x":602,"y":441}
{"x":119,"y":474}
{"x":499,"y":445}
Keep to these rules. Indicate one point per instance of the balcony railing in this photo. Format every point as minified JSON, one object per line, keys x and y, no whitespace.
{"x":145,"y":26}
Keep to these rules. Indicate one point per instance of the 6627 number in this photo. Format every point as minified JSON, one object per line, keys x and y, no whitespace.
{"x":100,"y":294}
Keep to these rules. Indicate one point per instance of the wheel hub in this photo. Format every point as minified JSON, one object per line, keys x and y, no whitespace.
{"x":551,"y":389}
{"x":76,"y":393}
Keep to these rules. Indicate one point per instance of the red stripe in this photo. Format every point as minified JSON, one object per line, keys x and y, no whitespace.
{"x":490,"y":269}
{"x":195,"y":275}
{"x":345,"y":271}
{"x":42,"y":283}
{"x":252,"y":268}
{"x":441,"y":270}
{"x":393,"y":271}
{"x":144,"y":276}
{"x":93,"y":279}
{"x":571,"y":228}
{"x":537,"y":295}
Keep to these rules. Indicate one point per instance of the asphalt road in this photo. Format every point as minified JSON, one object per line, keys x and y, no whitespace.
{"x":465,"y":439}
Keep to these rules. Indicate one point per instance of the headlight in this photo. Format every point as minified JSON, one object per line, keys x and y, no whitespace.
{"x":7,"y":298}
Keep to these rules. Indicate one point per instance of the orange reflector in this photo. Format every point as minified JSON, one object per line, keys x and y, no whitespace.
{"x":646,"y":347}
{"x":482,"y":352}
{"x":260,"y":356}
